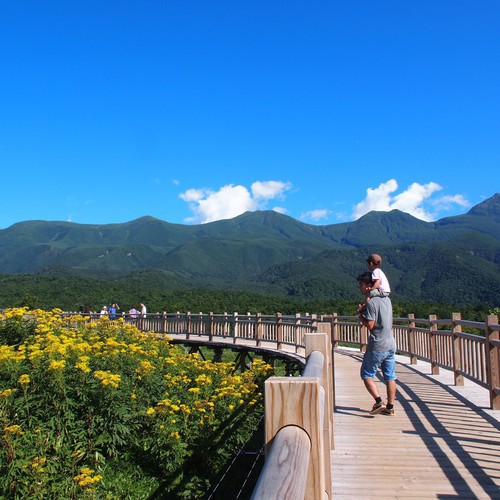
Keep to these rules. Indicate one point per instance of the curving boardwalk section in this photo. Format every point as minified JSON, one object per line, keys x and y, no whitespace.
{"x":443,"y":442}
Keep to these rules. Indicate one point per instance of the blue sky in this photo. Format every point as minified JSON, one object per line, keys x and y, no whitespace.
{"x":192,"y":111}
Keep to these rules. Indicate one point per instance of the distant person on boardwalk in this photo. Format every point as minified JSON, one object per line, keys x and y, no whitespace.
{"x":113,"y":310}
{"x":104,"y":311}
{"x":381,"y":348}
{"x":381,"y":286}
{"x":133,"y":312}
{"x":144,"y":311}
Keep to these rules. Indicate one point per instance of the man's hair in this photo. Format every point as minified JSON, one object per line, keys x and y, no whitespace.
{"x":366,"y":278}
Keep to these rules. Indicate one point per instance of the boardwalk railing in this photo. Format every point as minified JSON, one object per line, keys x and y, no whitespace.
{"x":299,"y":429}
{"x":299,"y":410}
{"x":276,"y":331}
{"x":474,"y":354}
{"x":441,"y":342}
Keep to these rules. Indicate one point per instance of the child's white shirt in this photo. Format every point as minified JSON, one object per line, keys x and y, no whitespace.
{"x":378,"y":274}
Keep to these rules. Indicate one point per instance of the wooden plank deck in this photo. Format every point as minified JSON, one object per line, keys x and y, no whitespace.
{"x":443,"y":442}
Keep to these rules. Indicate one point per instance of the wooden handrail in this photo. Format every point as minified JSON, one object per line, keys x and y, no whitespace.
{"x":284,"y":474}
{"x":467,"y":355}
{"x":301,"y":405}
{"x":299,"y":410}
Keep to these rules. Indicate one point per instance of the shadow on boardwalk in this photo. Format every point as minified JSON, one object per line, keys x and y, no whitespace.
{"x":443,"y":441}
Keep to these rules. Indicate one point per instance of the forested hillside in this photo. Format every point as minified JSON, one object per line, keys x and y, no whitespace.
{"x":451,"y":261}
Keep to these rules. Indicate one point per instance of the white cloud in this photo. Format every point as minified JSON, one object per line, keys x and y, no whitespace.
{"x":448,"y":202}
{"x":269,"y":189}
{"x":376,"y":199}
{"x":230,"y":200}
{"x":315,"y":215}
{"x":193,"y":195}
{"x":411,"y":200}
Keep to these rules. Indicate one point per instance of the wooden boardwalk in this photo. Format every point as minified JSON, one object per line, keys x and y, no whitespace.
{"x":443,"y":441}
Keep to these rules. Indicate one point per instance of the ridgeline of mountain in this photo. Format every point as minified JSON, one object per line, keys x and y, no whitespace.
{"x":455,"y":259}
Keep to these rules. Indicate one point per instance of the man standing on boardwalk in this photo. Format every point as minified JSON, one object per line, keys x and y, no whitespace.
{"x":381,"y":349}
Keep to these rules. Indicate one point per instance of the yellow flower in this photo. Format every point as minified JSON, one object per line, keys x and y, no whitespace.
{"x":85,"y":477}
{"x":175,"y":435}
{"x":57,"y":365}
{"x":150,"y":411}
{"x":24,"y":379}
{"x":145,"y":368}
{"x":203,"y":379}
{"x":7,"y":393}
{"x":13,"y":429}
{"x":38,"y":462}
{"x":107,"y":378}
{"x":83,"y":367}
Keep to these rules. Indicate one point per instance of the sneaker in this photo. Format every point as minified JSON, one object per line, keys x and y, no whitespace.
{"x":377,"y":408}
{"x":386,"y":411}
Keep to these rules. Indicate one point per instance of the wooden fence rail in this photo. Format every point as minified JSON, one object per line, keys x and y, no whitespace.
{"x":299,"y":410}
{"x":440,"y":342}
{"x":474,"y":355}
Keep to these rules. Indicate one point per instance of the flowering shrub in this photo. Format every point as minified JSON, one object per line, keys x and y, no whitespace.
{"x":83,"y":405}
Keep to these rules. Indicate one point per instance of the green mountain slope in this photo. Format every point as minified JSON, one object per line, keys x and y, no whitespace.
{"x":455,"y":259}
{"x":464,"y":270}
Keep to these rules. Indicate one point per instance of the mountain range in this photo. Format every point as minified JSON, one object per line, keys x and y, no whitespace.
{"x":454,"y":260}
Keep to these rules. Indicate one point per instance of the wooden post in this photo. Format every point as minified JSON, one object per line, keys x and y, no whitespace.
{"x":335,"y":330}
{"x":299,"y":340}
{"x":314,"y":320}
{"x":279,"y":330}
{"x":326,"y":325}
{"x":227,"y":325}
{"x":457,"y":348}
{"x":296,"y":401}
{"x":165,"y":326}
{"x":235,"y":327}
{"x":363,"y":338}
{"x":492,"y":360}
{"x":211,"y":326}
{"x":433,"y":345}
{"x":259,"y":329}
{"x":188,"y":324}
{"x":411,"y":339}
{"x":320,"y":342}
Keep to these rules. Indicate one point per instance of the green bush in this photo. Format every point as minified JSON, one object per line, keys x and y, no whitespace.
{"x":100,"y":410}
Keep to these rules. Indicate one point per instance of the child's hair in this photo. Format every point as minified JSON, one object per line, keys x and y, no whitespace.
{"x":375,"y":258}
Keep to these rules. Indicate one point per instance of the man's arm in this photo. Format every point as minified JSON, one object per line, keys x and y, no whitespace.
{"x":367,"y":323}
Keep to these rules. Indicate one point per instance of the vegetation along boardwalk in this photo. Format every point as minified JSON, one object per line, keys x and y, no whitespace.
{"x":443,"y":442}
